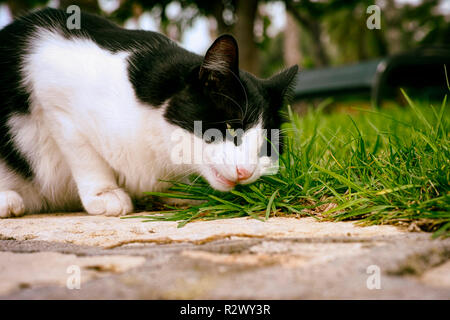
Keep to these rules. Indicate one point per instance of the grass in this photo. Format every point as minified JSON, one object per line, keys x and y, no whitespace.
{"x":379,"y":167}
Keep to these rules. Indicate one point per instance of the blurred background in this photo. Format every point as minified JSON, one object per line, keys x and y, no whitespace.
{"x":314,"y":34}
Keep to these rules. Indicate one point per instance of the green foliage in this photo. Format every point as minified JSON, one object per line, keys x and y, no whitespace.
{"x":404,"y":27}
{"x":377,"y":167}
{"x":332,"y":32}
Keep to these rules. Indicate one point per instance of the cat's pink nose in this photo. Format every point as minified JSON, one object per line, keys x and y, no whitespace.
{"x":242,"y":173}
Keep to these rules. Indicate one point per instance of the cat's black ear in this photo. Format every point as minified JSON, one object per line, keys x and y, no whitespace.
{"x":281,"y":85}
{"x":221,"y":59}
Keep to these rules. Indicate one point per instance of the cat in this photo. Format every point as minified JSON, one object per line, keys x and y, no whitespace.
{"x":88,"y":116}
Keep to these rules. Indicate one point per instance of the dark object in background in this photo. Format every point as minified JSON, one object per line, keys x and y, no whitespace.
{"x":421,"y":70}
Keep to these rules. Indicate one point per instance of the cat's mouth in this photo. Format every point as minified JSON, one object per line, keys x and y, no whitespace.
{"x":221,"y":182}
{"x":220,"y":178}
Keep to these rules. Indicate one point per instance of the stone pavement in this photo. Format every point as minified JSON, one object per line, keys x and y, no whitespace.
{"x":44,"y":256}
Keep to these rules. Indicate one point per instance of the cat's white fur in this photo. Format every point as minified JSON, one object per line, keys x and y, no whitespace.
{"x":87,"y":135}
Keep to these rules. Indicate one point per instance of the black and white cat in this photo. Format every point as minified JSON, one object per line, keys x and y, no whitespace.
{"x":88,"y":116}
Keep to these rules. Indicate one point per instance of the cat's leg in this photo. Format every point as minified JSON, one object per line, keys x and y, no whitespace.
{"x":11,"y":204}
{"x":17,"y":195}
{"x":96,"y":183}
{"x":95,"y":179}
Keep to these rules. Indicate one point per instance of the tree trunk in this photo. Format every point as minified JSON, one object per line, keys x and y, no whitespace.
{"x":291,"y":45}
{"x":320,"y":56}
{"x":314,"y":28}
{"x":243,"y":30}
{"x":217,"y":12}
{"x":383,"y":49}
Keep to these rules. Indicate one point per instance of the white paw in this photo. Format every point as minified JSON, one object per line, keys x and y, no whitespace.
{"x":11,"y":204}
{"x":109,"y":202}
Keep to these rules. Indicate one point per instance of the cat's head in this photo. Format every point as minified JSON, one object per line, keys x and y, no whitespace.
{"x":231,"y":117}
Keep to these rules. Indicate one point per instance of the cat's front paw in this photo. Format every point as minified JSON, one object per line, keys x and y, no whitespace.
{"x":115,"y":202}
{"x":11,"y":204}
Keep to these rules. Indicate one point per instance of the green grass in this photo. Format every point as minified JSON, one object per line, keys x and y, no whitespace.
{"x":379,"y":167}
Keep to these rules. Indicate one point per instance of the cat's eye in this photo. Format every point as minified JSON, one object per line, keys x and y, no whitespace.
{"x":231,"y":130}
{"x":210,"y":139}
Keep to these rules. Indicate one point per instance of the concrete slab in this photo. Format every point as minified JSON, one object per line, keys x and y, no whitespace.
{"x":283,"y":258}
{"x":438,"y":276}
{"x":24,"y":270}
{"x":110,"y":232}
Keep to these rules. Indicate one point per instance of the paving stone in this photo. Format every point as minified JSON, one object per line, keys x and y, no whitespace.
{"x":104,"y":231}
{"x":24,"y":270}
{"x":438,"y":276}
{"x":283,"y":258}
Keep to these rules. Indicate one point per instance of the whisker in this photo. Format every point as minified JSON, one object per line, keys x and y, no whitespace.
{"x":243,"y":89}
{"x":225,"y":121}
{"x":228,"y":97}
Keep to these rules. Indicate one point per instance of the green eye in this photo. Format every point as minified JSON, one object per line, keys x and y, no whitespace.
{"x":231,"y":130}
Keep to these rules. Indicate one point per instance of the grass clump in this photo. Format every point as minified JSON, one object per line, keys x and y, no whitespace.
{"x":380,"y":167}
